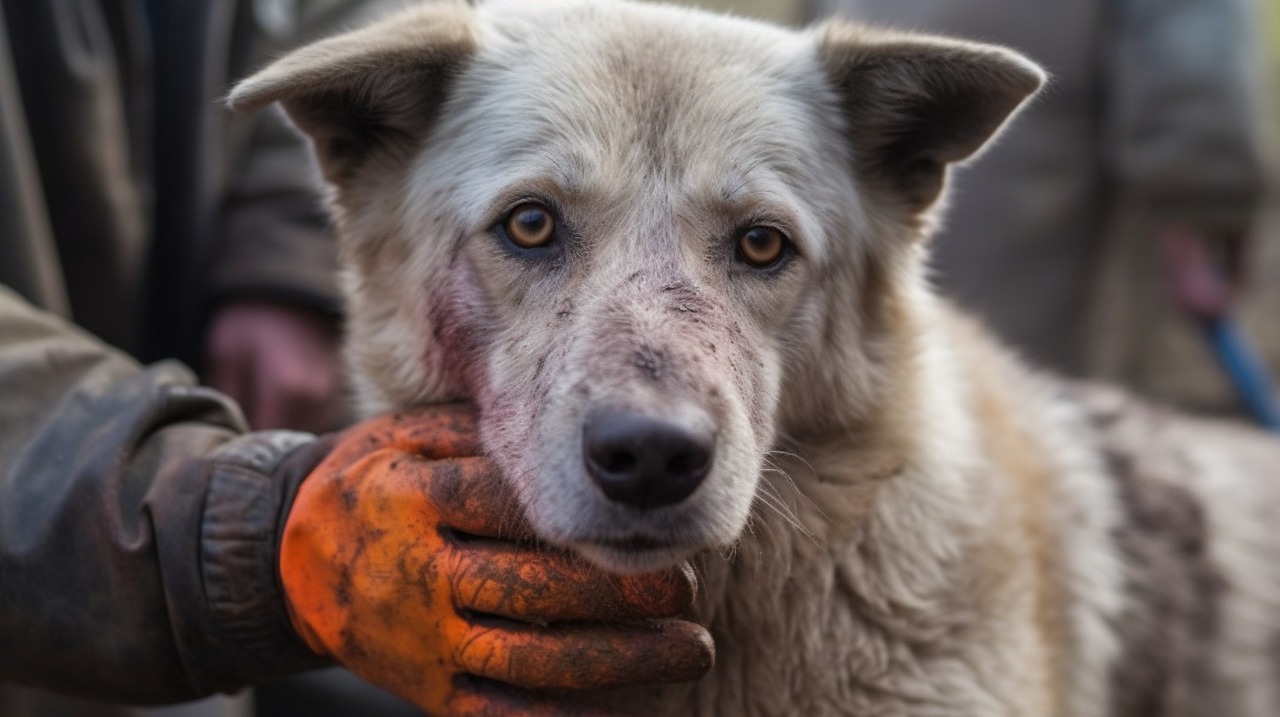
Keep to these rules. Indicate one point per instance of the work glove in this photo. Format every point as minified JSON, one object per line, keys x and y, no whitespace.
{"x":406,"y":558}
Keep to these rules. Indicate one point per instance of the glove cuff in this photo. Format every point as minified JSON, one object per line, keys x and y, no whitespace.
{"x":252,"y":485}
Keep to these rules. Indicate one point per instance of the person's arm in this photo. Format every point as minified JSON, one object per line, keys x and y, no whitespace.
{"x":276,"y":242}
{"x":138,"y":524}
{"x":274,"y":306}
{"x":273,"y":303}
{"x":272,"y":341}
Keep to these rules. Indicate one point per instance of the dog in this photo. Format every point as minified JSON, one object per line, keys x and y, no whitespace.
{"x":679,"y":263}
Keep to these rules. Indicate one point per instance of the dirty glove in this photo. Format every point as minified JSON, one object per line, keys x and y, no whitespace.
{"x":405,"y":558}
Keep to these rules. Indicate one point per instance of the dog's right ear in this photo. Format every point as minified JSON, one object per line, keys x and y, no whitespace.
{"x":374,"y":90}
{"x":914,"y":104}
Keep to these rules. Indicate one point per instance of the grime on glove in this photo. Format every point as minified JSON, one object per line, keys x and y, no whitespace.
{"x":406,"y":558}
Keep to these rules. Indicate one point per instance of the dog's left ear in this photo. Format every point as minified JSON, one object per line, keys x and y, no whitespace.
{"x":915,"y":104}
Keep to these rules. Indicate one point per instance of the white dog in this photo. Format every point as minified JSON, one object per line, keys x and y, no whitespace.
{"x":678,"y":262}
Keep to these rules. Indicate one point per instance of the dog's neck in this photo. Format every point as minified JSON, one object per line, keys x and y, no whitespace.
{"x":868,"y":538}
{"x":849,"y":491}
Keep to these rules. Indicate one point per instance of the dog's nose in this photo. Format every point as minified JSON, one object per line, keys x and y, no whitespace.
{"x":643,"y":461}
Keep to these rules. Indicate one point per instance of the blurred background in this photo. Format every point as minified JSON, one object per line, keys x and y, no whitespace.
{"x":1140,"y":332}
{"x":1126,"y":227}
{"x":1271,"y":31}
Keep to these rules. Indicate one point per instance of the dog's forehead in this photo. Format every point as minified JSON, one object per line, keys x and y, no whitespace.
{"x":648,"y":83}
{"x":621,"y":98}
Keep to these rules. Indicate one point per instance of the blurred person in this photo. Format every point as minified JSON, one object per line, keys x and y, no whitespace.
{"x":151,"y":219}
{"x":1131,"y":181}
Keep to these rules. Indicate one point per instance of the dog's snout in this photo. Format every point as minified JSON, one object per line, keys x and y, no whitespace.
{"x":645,"y":461}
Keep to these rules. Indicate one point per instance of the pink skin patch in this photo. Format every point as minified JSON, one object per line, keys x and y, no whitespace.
{"x":457,"y":348}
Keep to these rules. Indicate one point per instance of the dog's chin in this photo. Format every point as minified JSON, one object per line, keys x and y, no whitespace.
{"x":571,"y":514}
{"x":633,"y":555}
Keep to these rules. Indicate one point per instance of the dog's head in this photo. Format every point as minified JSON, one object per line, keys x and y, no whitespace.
{"x":644,"y":240}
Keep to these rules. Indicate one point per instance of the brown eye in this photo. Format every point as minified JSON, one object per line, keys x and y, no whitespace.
{"x":761,"y":246}
{"x":530,"y":226}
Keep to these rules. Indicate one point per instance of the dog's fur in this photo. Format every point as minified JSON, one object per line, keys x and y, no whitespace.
{"x":901,"y":518}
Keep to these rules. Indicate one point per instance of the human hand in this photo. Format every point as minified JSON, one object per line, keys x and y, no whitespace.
{"x":406,"y":558}
{"x":1205,"y":271}
{"x":280,"y":363}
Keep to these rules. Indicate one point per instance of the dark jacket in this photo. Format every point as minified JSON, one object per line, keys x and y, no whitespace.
{"x":129,"y":201}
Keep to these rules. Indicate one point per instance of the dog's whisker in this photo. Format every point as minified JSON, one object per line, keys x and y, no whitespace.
{"x":791,"y":481}
{"x":769,"y":536}
{"x":770,"y":490}
{"x":729,"y":552}
{"x":785,"y":512}
{"x":796,"y":456}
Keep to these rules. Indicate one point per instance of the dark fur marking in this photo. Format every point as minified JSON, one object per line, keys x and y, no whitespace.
{"x":651,"y":362}
{"x":685,"y":299}
{"x":459,"y":241}
{"x":1172,"y":590}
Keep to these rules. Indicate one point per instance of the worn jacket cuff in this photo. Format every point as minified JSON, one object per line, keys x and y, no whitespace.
{"x":252,"y":484}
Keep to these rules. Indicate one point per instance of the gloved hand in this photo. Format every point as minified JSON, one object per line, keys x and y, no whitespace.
{"x":1205,"y":271}
{"x":280,"y":363}
{"x":406,"y":558}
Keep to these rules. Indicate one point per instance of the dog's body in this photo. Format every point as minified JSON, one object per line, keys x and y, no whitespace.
{"x":1050,"y":558}
{"x":890,"y":515}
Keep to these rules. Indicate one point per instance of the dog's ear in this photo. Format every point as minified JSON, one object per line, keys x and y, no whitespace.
{"x":374,"y":90}
{"x":915,"y":104}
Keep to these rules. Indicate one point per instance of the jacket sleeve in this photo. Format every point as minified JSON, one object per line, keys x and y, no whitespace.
{"x":276,"y":240}
{"x":138,"y":524}
{"x":1184,"y":123}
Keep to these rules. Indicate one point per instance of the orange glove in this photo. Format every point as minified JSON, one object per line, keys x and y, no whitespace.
{"x":412,"y":565}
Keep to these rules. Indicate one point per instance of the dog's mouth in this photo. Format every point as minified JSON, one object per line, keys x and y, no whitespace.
{"x":633,"y":553}
{"x":634,"y":543}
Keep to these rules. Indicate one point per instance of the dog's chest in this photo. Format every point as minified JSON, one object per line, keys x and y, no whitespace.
{"x":811,"y":641}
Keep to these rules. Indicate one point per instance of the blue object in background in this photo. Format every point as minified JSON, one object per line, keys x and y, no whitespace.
{"x":1245,"y":368}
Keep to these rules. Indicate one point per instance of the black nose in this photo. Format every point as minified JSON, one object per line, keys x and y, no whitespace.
{"x":646,"y":462}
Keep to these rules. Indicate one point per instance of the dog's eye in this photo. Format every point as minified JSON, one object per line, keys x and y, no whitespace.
{"x":530,"y":226}
{"x":761,"y":247}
